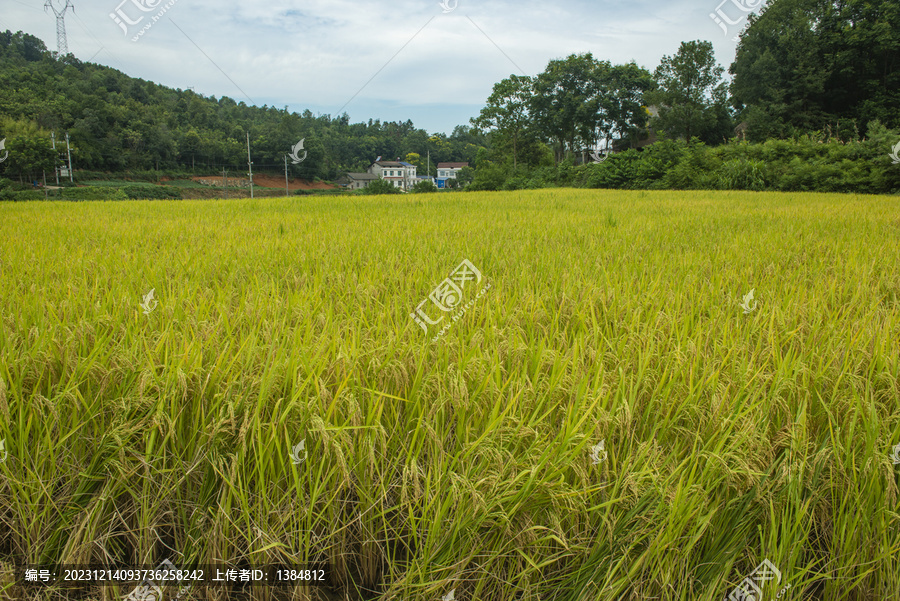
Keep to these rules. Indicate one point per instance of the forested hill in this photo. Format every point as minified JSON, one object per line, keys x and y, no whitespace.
{"x":117,"y":123}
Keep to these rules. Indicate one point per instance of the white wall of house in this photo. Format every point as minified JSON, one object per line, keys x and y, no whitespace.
{"x":448,"y":172}
{"x":402,"y":177}
{"x":410,"y":177}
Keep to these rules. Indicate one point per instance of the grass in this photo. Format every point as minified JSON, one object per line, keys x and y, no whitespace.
{"x":462,"y":463}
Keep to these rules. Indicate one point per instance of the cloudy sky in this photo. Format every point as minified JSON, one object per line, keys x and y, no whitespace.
{"x":388,"y":60}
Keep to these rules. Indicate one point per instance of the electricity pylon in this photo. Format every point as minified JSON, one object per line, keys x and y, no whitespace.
{"x":62,"y":46}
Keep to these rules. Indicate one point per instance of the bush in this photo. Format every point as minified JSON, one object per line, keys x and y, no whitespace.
{"x":28,"y":195}
{"x":380,"y":186}
{"x":616,"y":172}
{"x":151,"y":192}
{"x":516,"y":182}
{"x":89,"y":193}
{"x":696,"y":172}
{"x":489,"y":176}
{"x":424,"y":186}
{"x":742,"y":174}
{"x":808,"y":163}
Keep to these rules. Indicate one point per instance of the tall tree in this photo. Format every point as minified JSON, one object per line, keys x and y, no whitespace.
{"x":506,"y":111}
{"x":623,"y":102}
{"x":564,"y":102}
{"x":28,"y":151}
{"x":691,"y":96}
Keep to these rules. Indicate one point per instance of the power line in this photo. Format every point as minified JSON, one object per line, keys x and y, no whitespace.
{"x":212,"y":61}
{"x":102,"y":47}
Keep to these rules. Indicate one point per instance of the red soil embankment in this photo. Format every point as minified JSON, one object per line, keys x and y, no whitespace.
{"x":266,"y":181}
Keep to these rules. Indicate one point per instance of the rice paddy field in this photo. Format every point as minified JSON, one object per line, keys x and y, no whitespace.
{"x":542,"y":395}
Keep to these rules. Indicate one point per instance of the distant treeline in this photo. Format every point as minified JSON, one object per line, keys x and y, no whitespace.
{"x":118,"y":123}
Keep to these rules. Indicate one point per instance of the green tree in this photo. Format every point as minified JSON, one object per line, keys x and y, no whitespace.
{"x":507,"y":111}
{"x":804,"y":65}
{"x":465,"y":176}
{"x":30,"y":151}
{"x":625,"y":114}
{"x":565,"y":101}
{"x":190,"y":145}
{"x":691,"y":95}
{"x":29,"y":158}
{"x":414,"y":158}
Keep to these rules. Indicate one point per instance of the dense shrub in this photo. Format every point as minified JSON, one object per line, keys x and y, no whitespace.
{"x":91,"y":193}
{"x":615,"y":172}
{"x":742,"y":174}
{"x":424,"y":186}
{"x":488,"y":176}
{"x":84,"y":193}
{"x":380,"y":186}
{"x":811,"y":163}
{"x":151,"y":192}
{"x":27,"y":195}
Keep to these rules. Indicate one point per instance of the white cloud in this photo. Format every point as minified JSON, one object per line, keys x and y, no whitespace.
{"x":319,"y":53}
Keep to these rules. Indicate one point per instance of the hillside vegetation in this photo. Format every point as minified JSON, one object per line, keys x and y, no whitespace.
{"x":119,"y":123}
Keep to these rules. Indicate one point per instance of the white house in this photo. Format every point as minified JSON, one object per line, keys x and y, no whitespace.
{"x":356,"y":181}
{"x":447,"y":171}
{"x":411,"y":177}
{"x":400,"y":174}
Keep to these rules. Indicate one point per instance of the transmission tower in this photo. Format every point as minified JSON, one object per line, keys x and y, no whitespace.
{"x":62,"y":46}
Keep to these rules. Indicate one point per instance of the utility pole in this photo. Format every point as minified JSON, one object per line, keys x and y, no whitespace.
{"x":56,"y":156}
{"x":249,"y":163}
{"x":69,"y":152}
{"x":225,"y":183}
{"x":286,"y":192}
